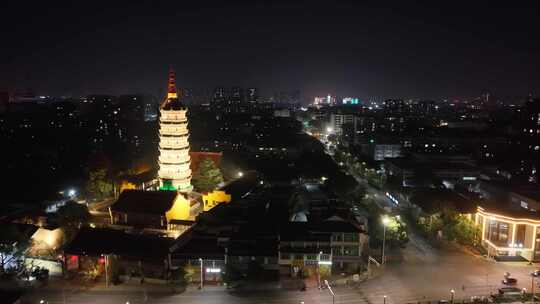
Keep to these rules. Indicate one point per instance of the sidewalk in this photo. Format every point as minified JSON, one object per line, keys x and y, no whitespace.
{"x":74,"y":286}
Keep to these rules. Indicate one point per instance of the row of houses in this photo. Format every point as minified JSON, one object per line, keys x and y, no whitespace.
{"x":153,"y":233}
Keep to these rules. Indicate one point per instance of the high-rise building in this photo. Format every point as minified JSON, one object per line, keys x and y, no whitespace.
{"x":328,"y":100}
{"x":174,"y":160}
{"x":237,"y":95}
{"x":337,"y":120}
{"x":4,"y":100}
{"x":532,"y":119}
{"x":252,"y":95}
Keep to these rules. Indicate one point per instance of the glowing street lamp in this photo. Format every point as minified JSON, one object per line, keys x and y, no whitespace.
{"x":329,"y":130}
{"x":452,"y":292}
{"x":385,"y":221}
{"x":240,"y":173}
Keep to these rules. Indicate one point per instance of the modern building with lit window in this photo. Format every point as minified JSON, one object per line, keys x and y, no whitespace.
{"x":510,"y":234}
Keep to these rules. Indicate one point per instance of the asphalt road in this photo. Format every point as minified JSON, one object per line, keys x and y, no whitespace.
{"x":343,"y":295}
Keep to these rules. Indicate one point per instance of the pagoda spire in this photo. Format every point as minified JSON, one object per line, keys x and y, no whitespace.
{"x":172,"y":92}
{"x":174,"y":161}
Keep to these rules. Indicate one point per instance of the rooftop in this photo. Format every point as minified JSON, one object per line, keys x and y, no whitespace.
{"x":506,"y":210}
{"x":301,"y":231}
{"x":14,"y":232}
{"x":433,"y":200}
{"x":198,"y":247}
{"x":98,"y":241}
{"x":412,"y":164}
{"x":240,"y":187}
{"x":523,"y":188}
{"x":148,"y":202}
{"x":173,"y":104}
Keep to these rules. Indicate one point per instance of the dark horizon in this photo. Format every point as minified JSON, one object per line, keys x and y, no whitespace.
{"x":347,"y":49}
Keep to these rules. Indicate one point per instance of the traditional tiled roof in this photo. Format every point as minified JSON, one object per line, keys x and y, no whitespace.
{"x":97,"y":241}
{"x":147,"y":202}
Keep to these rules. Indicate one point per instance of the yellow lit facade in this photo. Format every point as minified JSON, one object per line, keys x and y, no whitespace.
{"x":180,"y":209}
{"x":215,"y":198}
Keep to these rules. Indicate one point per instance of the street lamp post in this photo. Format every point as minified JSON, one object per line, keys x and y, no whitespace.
{"x":331,"y":291}
{"x":384,"y":299}
{"x":106,"y":258}
{"x":452,"y":296}
{"x":532,"y":287}
{"x":319,"y":270}
{"x":201,"y":262}
{"x":385,"y":221}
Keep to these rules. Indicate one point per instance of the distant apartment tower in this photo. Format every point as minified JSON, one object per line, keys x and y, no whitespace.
{"x":350,"y":101}
{"x":328,"y":100}
{"x":338,"y":120}
{"x":174,"y":160}
{"x":532,"y":112}
{"x":252,"y":95}
{"x":4,"y":100}
{"x":381,"y":151}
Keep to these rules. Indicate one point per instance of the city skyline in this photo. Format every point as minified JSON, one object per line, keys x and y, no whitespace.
{"x":348,"y":49}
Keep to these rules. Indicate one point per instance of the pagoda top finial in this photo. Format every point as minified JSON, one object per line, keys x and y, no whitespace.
{"x":171,"y":89}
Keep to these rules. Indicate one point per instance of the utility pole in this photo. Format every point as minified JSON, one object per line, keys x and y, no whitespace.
{"x":106,"y":271}
{"x":202,"y":279}
{"x":385,"y":221}
{"x":319,"y":270}
{"x":532,"y":286}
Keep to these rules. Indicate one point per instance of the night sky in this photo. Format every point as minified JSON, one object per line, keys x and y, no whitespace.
{"x":332,"y":47}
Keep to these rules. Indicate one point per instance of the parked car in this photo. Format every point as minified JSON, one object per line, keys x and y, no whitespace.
{"x":509,"y":281}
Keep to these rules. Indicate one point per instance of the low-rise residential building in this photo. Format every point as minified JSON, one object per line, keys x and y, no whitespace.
{"x":305,"y":246}
{"x":100,"y":250}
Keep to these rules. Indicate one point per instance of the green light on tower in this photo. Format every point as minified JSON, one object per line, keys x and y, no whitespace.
{"x":167,"y":186}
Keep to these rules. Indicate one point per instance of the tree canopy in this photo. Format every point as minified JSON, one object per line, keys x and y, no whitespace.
{"x":98,"y":184}
{"x":207,"y":177}
{"x":13,"y":244}
{"x":72,"y":214}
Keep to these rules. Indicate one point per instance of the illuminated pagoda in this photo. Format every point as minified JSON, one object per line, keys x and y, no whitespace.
{"x":174,"y":160}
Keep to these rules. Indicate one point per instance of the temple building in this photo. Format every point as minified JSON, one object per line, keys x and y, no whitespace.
{"x":174,"y":161}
